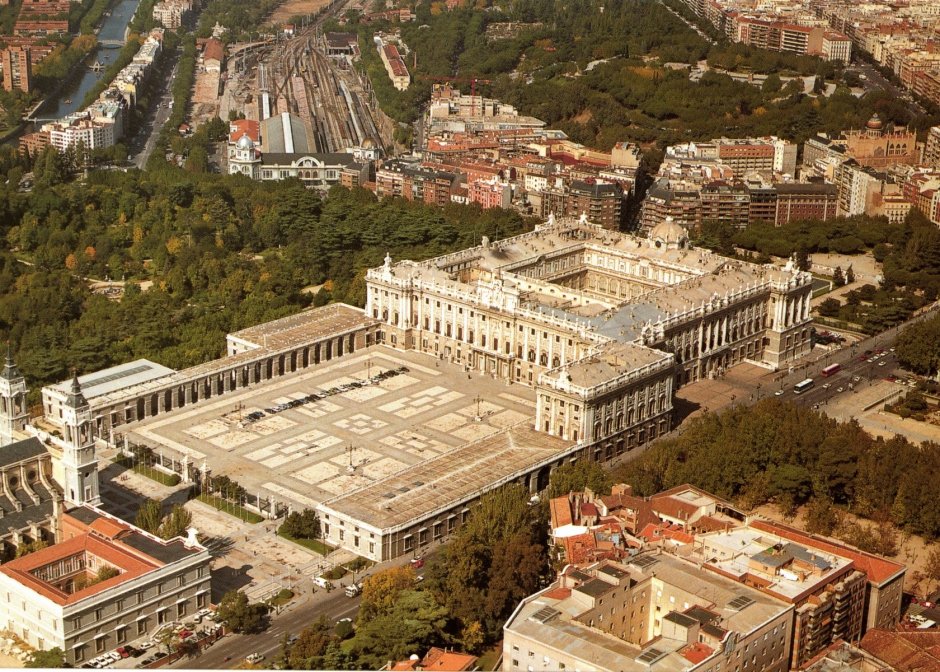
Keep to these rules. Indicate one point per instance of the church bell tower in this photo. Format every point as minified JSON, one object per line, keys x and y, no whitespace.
{"x":13,"y":412}
{"x":79,"y":463}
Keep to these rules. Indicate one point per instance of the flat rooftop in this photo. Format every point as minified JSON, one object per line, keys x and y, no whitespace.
{"x":303,"y":327}
{"x":555,"y":622}
{"x":115,"y":378}
{"x":272,"y":337}
{"x":732,"y":550}
{"x":414,"y":435}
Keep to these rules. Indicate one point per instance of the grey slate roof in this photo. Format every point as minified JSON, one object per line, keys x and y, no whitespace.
{"x":21,"y":450}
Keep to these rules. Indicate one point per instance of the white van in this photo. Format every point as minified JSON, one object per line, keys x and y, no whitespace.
{"x":322,"y":583}
{"x":353,"y":589}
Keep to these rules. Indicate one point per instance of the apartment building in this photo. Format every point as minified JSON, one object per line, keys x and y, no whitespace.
{"x":17,"y":68}
{"x":931,"y":156}
{"x":652,"y":612}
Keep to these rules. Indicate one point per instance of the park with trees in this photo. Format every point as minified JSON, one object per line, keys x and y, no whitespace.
{"x":630,"y":93}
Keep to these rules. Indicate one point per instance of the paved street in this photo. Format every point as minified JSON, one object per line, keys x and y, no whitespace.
{"x":231,"y":651}
{"x":146,"y":139}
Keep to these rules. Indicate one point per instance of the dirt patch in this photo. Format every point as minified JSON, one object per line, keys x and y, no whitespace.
{"x":584,"y":117}
{"x":296,"y":8}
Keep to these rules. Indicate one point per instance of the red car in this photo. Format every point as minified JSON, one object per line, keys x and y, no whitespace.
{"x":417,"y":563}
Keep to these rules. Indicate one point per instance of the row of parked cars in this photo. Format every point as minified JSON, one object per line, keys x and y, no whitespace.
{"x":254,"y":416}
{"x":111,"y":657}
{"x":130,"y":651}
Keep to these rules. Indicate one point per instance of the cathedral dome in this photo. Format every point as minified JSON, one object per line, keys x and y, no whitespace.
{"x":669,"y":234}
{"x":875,"y":123}
{"x":245,"y":143}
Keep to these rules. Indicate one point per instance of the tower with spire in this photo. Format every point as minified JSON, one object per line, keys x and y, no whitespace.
{"x":79,"y":463}
{"x":13,"y":412}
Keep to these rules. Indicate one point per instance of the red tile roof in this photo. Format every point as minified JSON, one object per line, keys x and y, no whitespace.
{"x":697,"y":652}
{"x":213,"y":50}
{"x":878,"y":569}
{"x":131,"y":563}
{"x":904,"y":651}
{"x":588,"y":509}
{"x":240,"y":127}
{"x":560,"y":510}
{"x":438,"y":659}
{"x":579,"y":548}
{"x":558,"y":593}
{"x":674,"y":508}
{"x":654,"y":532}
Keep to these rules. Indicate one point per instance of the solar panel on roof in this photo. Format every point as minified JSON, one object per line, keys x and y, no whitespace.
{"x":650,"y":656}
{"x":740,"y":602}
{"x":544,"y":614}
{"x":644,"y":561}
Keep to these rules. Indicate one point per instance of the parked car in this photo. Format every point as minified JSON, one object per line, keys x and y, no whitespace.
{"x":254,"y":658}
{"x":418,"y":562}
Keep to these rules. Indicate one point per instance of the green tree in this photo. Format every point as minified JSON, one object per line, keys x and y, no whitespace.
{"x":849,"y":275}
{"x":301,"y":525}
{"x":576,"y":477}
{"x":918,"y":346}
{"x":53,"y":658}
{"x":31,"y":547}
{"x":496,"y":558}
{"x":307,"y":652}
{"x":838,"y":279}
{"x":932,"y":563}
{"x":829,"y":307}
{"x":381,"y":590}
{"x":822,"y":516}
{"x":176,"y":522}
{"x":242,"y":616}
{"x":415,"y":622}
{"x":149,"y":516}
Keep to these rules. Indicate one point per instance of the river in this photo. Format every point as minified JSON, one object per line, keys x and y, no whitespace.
{"x":69,"y":98}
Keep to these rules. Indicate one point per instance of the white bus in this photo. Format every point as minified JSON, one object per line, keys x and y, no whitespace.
{"x":802,"y":386}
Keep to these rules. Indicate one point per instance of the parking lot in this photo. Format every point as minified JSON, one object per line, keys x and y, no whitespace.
{"x":146,"y":650}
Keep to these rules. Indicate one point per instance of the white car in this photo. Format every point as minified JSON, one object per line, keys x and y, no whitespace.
{"x":840,"y":389}
{"x":778,"y":393}
{"x":827,"y":386}
{"x":113,"y":655}
{"x":882,"y":363}
{"x":146,"y":644}
{"x":254,"y":658}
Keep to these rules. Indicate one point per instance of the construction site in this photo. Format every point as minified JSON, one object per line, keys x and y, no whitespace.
{"x":294,"y":74}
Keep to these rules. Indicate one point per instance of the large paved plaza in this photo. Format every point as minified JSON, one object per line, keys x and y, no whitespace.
{"x":315,"y":451}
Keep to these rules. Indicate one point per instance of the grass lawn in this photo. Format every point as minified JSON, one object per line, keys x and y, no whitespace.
{"x":490,"y":657}
{"x":228,"y":507}
{"x":169,"y":480}
{"x":314,"y":545}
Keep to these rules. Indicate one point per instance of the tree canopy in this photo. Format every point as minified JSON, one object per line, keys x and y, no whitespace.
{"x":242,"y":616}
{"x":783,"y":452}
